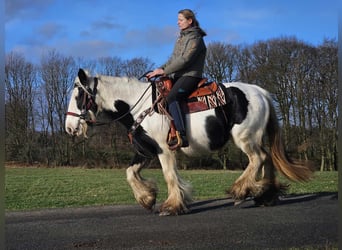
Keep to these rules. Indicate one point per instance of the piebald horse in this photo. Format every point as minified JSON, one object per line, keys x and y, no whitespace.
{"x":248,"y":117}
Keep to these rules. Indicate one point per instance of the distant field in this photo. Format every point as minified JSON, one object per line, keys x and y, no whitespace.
{"x":35,"y":188}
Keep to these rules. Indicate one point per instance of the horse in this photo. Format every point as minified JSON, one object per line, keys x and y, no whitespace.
{"x":248,"y":118}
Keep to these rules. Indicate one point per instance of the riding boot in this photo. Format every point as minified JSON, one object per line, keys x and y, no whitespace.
{"x":178,"y":119}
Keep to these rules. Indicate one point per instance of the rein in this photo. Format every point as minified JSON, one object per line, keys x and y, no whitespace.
{"x":129,"y":111}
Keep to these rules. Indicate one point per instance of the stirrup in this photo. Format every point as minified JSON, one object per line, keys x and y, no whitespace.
{"x":175,"y":142}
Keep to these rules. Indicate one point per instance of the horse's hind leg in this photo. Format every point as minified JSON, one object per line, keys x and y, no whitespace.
{"x":247,"y":184}
{"x":258,"y":179}
{"x":145,"y":191}
{"x":268,"y":194}
{"x":179,"y":191}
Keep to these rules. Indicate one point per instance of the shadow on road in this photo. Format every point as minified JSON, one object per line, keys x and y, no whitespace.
{"x":208,"y":205}
{"x":214,"y":204}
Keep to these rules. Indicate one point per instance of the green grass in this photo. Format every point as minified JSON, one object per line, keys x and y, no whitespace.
{"x":35,"y":188}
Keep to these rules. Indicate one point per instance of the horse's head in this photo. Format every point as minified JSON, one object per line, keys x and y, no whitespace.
{"x":82,"y":103}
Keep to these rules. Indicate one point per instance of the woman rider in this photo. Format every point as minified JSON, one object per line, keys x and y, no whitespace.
{"x":185,"y":68}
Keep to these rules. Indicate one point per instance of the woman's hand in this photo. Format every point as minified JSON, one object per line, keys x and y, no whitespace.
{"x":155,"y":72}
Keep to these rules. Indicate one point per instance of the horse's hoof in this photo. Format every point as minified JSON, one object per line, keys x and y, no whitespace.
{"x":238,"y":199}
{"x":270,"y":196}
{"x":266,"y":202}
{"x":238,"y":202}
{"x":148,"y":203}
{"x":165,"y":213}
{"x":170,"y":211}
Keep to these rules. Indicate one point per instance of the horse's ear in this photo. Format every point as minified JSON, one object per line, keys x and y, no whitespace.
{"x":82,"y":75}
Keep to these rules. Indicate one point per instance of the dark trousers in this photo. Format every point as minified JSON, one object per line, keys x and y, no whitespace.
{"x":182,"y":88}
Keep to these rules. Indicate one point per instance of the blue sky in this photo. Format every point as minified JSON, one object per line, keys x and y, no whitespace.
{"x":136,"y":28}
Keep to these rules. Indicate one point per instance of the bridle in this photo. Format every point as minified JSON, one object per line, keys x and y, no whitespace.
{"x":88,"y":103}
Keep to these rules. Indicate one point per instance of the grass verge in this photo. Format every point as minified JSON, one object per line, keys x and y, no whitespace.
{"x":36,"y":188}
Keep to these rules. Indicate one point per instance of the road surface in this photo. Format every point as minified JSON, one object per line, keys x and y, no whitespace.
{"x":309,"y":221}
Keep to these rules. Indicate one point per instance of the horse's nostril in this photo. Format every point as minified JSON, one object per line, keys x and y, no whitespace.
{"x":70,"y":131}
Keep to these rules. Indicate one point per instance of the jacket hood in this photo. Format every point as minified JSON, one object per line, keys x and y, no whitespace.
{"x":195,"y":30}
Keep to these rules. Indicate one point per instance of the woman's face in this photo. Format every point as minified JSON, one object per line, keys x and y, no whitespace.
{"x":183,"y":23}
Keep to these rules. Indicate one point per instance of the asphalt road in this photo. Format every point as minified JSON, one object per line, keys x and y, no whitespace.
{"x":309,"y":221}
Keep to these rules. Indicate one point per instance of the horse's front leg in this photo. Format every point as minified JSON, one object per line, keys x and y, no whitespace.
{"x":145,"y":191}
{"x":179,"y":191}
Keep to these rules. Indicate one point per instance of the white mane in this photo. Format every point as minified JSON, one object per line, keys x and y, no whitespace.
{"x":129,"y":88}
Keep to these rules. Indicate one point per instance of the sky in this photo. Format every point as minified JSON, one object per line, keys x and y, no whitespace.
{"x":129,"y":29}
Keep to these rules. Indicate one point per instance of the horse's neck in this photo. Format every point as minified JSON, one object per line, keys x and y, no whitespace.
{"x":130,"y":91}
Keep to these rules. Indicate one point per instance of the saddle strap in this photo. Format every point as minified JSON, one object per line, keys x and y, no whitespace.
{"x":146,"y":112}
{"x":137,"y":123}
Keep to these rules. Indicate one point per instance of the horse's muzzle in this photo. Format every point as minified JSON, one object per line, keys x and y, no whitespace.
{"x":72,"y":131}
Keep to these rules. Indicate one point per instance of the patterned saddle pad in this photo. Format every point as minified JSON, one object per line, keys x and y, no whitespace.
{"x":208,"y":95}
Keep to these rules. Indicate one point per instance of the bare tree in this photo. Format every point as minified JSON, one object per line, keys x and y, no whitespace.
{"x":281,"y":66}
{"x":110,"y":66}
{"x":220,"y":64}
{"x":245,"y":66}
{"x":136,"y":67}
{"x":57,"y":75}
{"x":325,"y":103}
{"x":20,"y":101}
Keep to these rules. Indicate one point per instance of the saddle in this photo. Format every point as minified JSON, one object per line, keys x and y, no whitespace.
{"x":208,"y":95}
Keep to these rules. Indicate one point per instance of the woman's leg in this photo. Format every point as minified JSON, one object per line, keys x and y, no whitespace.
{"x":182,"y":88}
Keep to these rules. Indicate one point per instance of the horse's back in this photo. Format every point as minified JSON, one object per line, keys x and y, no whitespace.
{"x":257,"y":97}
{"x":248,"y":89}
{"x":252,"y":128}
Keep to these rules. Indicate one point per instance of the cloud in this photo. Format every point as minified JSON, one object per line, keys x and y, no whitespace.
{"x":156,"y":36}
{"x":50,"y":30}
{"x":87,"y":48}
{"x":105,"y":25}
{"x":91,"y":49}
{"x":101,"y":27}
{"x":22,"y":9}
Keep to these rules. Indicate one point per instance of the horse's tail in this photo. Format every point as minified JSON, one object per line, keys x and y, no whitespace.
{"x":293,"y":169}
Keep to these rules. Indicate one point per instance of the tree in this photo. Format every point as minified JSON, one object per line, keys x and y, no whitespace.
{"x":19,"y":108}
{"x":112,"y":66}
{"x":220,"y":64}
{"x":57,"y":74}
{"x":324,"y":104}
{"x":136,"y":67}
